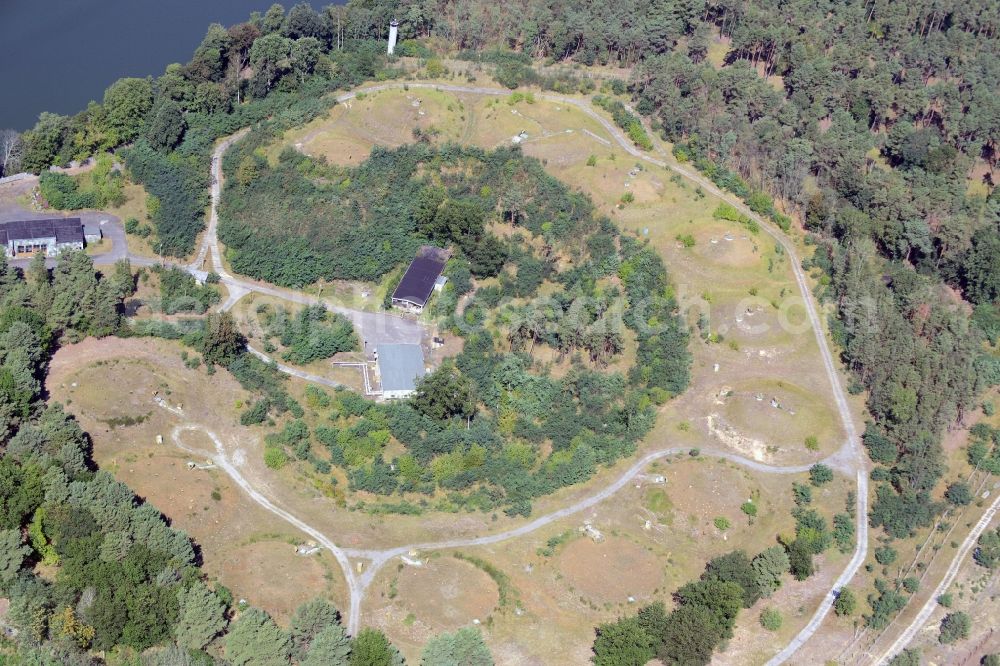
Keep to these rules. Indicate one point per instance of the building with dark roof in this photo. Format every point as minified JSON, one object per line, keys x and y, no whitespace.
{"x":399,"y":368}
{"x":51,"y":236}
{"x":414,"y":290}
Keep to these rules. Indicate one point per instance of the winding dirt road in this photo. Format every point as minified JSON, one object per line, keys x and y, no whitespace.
{"x":382,"y":326}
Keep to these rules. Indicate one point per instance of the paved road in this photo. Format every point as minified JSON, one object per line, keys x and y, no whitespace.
{"x":295,"y":372}
{"x":931,"y":604}
{"x":373,"y":325}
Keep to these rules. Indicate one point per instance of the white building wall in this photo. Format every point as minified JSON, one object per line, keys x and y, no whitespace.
{"x":52,"y":249}
{"x":393,"y":33}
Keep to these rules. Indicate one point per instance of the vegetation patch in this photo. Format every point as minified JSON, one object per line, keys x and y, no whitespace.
{"x":125,"y":421}
{"x":508,"y":593}
{"x":625,"y":119}
{"x":311,"y":334}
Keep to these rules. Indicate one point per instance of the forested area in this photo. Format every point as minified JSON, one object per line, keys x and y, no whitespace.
{"x":300,"y":220}
{"x":703,"y":616}
{"x":90,"y":568}
{"x":873,"y":123}
{"x":882,"y":141}
{"x":876,"y":157}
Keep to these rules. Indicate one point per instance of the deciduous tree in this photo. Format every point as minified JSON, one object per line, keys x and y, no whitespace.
{"x":126,"y":104}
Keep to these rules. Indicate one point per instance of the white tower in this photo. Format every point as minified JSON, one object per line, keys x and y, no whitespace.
{"x":393,"y":29}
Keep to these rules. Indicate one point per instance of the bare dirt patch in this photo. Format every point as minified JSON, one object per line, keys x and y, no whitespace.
{"x":637,"y":572}
{"x":726,"y":245}
{"x":107,"y":383}
{"x":269,"y":574}
{"x":414,"y":603}
{"x":764,"y":419}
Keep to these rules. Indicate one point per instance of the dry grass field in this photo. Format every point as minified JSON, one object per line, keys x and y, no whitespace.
{"x":975,"y":591}
{"x":109,"y":383}
{"x":414,"y":603}
{"x":927,"y":558}
{"x":563,"y":582}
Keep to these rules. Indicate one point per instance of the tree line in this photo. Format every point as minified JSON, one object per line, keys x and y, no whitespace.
{"x":875,"y":156}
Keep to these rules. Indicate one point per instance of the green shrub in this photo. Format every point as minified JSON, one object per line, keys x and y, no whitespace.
{"x":626,"y":120}
{"x":885,"y":555}
{"x":726,"y":211}
{"x":62,"y":192}
{"x":275,"y":458}
{"x":954,"y":627}
{"x":820,"y":474}
{"x":256,"y":414}
{"x":770,"y":619}
{"x":959,"y":493}
{"x":846,"y":602}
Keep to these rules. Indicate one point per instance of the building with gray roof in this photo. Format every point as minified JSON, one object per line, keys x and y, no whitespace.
{"x":399,"y":366}
{"x":49,"y":236}
{"x":417,"y":284}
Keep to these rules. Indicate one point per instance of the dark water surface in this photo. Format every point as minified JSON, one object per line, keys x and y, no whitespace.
{"x":57,"y":55}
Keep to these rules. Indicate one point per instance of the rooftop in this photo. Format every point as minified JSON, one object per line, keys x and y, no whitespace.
{"x":63,"y":229}
{"x":418,"y":281}
{"x":400,"y":366}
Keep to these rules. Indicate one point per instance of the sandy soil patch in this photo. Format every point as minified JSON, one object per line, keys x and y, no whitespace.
{"x":268,"y":574}
{"x":612,"y":570}
{"x":414,"y":603}
{"x":106,"y":382}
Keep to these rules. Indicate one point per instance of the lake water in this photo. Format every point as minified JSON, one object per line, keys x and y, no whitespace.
{"x":57,"y":55}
